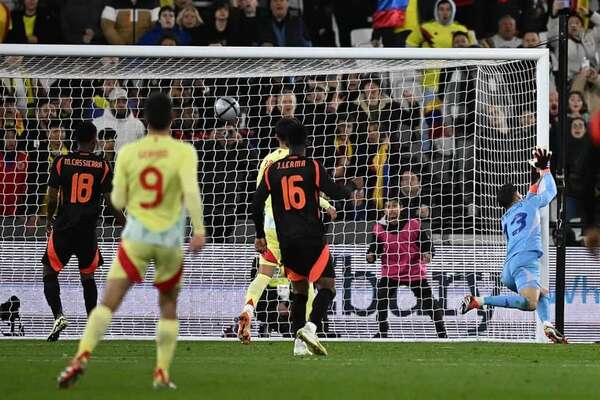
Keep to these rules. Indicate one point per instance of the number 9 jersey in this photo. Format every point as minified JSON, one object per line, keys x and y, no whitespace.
{"x":521,"y":222}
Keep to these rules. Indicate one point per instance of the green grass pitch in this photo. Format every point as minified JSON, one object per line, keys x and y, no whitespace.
{"x":267,"y":370}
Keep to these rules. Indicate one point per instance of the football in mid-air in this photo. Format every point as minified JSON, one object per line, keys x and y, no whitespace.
{"x":227,"y":108}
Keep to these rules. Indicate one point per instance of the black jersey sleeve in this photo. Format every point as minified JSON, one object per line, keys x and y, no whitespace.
{"x":107,"y":177}
{"x":258,"y":205}
{"x":329,"y":187}
{"x":55,"y":170}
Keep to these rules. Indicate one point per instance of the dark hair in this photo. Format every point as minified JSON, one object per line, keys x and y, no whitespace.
{"x":292,"y":130}
{"x":584,"y":107}
{"x":157,"y":111}
{"x":459,"y":33}
{"x":574,"y":14}
{"x":85,"y":132}
{"x":168,"y":34}
{"x":506,"y":194}
{"x":165,"y":8}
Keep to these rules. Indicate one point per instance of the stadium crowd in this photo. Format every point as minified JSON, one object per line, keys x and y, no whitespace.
{"x":416,"y":144}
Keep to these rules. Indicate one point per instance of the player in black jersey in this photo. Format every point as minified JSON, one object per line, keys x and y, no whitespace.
{"x":78,"y":182}
{"x":294,"y":184}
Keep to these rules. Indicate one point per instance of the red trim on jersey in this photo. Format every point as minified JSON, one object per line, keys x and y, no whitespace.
{"x":55,"y":262}
{"x":92,"y":267}
{"x":59,"y":166}
{"x":317,"y":270}
{"x":292,"y":276}
{"x":317,"y":173}
{"x":266,"y":177}
{"x":128,"y":266}
{"x":268,"y":255}
{"x":533,"y":188}
{"x":106,"y":170}
{"x":171,"y":282}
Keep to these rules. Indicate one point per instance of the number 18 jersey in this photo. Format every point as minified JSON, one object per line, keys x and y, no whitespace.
{"x":521,"y":223}
{"x":152,"y":176}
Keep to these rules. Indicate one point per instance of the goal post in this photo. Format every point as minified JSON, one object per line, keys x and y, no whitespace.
{"x":439,"y":129}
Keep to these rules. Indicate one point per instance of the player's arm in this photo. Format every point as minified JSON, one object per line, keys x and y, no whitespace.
{"x":375,"y":248}
{"x":329,"y":187}
{"x":52,"y":194}
{"x":542,"y":192}
{"x":328,"y":208}
{"x":188,"y":174}
{"x":258,"y":211}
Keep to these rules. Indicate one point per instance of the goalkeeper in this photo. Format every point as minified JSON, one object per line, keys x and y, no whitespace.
{"x":522,"y":230}
{"x":270,"y":261}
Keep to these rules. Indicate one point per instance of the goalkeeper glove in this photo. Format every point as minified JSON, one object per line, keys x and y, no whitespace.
{"x":541,"y":158}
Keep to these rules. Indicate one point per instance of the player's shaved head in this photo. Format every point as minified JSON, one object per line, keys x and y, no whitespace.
{"x":291,"y":129}
{"x":85,"y":133}
{"x":506,"y":195}
{"x":158,"y":111}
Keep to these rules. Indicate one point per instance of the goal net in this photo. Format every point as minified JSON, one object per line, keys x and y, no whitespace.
{"x":429,"y":136}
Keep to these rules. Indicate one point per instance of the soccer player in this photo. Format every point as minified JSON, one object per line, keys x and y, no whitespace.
{"x":294,"y":184}
{"x":270,"y":260}
{"x":80,"y":180}
{"x":405,"y":251}
{"x":153,"y":177}
{"x":521,"y":227}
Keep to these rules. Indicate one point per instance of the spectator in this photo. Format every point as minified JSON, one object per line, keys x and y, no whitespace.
{"x":553,"y":109}
{"x":120,"y":118}
{"x":180,"y":5}
{"x":405,"y":250}
{"x":106,"y":144}
{"x":318,"y":15}
{"x":100,"y":101}
{"x":5,"y":22}
{"x":577,"y":106}
{"x":252,"y":19}
{"x":10,"y":118}
{"x":506,"y":37}
{"x":275,"y":107}
{"x":13,"y":175}
{"x":530,"y":40}
{"x":578,"y":145}
{"x":168,"y":39}
{"x":587,"y":83}
{"x":222,"y":31}
{"x":126,"y":21}
{"x":410,"y":195}
{"x":389,"y":16}
{"x":165,"y":27}
{"x":33,"y":24}
{"x":229,"y":170}
{"x":437,"y":33}
{"x":582,"y":43}
{"x":80,"y":21}
{"x":284,"y":29}
{"x":344,"y":150}
{"x":190,"y":22}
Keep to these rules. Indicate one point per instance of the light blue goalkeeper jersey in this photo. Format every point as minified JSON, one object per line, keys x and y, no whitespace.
{"x":521,"y":222}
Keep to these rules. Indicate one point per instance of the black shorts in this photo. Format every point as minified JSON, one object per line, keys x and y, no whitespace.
{"x":302,"y":260}
{"x":81,"y":244}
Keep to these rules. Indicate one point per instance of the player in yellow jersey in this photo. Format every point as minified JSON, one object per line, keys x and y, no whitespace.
{"x":270,"y":261}
{"x":152,"y":177}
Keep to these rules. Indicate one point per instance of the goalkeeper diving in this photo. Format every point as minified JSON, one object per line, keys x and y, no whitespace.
{"x":522,"y":231}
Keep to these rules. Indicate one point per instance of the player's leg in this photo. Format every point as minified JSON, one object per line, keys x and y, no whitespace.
{"x":90,"y":291}
{"x":298,"y":303}
{"x":430,"y":306}
{"x":56,"y":256}
{"x":385,"y":290}
{"x":169,"y":270}
{"x":128,"y":266}
{"x":89,"y":258}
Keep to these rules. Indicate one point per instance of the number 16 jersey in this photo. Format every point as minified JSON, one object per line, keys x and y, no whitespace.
{"x":153,"y":175}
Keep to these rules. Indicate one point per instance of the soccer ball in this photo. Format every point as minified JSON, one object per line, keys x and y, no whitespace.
{"x":227,"y":108}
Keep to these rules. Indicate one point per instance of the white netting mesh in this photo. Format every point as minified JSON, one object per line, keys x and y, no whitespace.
{"x":441,"y":135}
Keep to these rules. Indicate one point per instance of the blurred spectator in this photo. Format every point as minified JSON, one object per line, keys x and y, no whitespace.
{"x":80,"y":21}
{"x":530,"y":40}
{"x":318,"y":15}
{"x":577,"y":107}
{"x":252,"y":19}
{"x":100,"y":102}
{"x":553,"y":108}
{"x":582,"y":42}
{"x":33,"y":24}
{"x":221,"y":31}
{"x":493,"y":10}
{"x":165,"y":27}
{"x":190,"y":22}
{"x":506,"y":37}
{"x":587,"y":83}
{"x":106,"y":144}
{"x":578,"y":145}
{"x":181,"y":4}
{"x":284,"y":29}
{"x":13,"y":175}
{"x":126,"y":21}
{"x":168,"y":38}
{"x":389,"y":16}
{"x":11,"y":119}
{"x":228,"y":176}
{"x":5,"y":22}
{"x":373,"y":105}
{"x":120,"y":118}
{"x":410,"y":195}
{"x":437,"y":33}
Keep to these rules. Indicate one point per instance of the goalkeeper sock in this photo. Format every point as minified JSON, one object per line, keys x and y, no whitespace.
{"x":95,"y":328}
{"x":256,"y":289}
{"x":513,"y":301}
{"x":90,"y":294}
{"x":52,"y":293}
{"x":543,"y":308}
{"x":166,"y":340}
{"x":320,"y":306}
{"x":298,"y":311}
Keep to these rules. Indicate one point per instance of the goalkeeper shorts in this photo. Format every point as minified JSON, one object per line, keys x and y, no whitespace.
{"x":133,"y":258}
{"x":62,"y":245}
